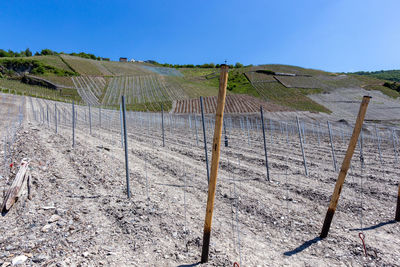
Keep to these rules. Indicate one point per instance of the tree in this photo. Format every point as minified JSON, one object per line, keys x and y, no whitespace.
{"x":46,"y":52}
{"x":28,"y":52}
{"x":238,"y":65}
{"x":4,"y":53}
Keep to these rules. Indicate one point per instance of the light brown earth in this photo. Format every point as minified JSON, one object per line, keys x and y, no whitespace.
{"x":80,"y":215}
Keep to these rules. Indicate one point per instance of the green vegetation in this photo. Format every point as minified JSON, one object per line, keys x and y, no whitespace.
{"x":385,"y":90}
{"x":191,"y":66}
{"x":32,"y":66}
{"x":16,"y":87}
{"x":290,"y":97}
{"x":394,"y":86}
{"x":268,"y":72}
{"x":391,"y":75}
{"x":150,"y":106}
{"x":237,"y":84}
{"x":48,"y":52}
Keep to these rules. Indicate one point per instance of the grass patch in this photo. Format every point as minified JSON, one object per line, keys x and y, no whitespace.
{"x":16,"y":87}
{"x":150,"y":106}
{"x":290,"y":97}
{"x":386,"y":91}
{"x":33,"y":66}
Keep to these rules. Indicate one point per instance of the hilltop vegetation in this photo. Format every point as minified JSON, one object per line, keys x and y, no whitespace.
{"x":391,"y":75}
{"x":16,"y":66}
{"x":47,"y":52}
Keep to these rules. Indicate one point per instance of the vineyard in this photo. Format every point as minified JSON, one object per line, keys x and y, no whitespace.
{"x":79,"y":205}
{"x":141,"y":89}
{"x":90,"y":88}
{"x":234,"y":104}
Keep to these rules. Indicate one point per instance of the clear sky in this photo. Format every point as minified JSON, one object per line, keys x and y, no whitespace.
{"x":339,"y":35}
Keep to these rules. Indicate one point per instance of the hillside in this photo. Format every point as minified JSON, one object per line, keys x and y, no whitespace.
{"x":391,"y":75}
{"x":148,"y":86}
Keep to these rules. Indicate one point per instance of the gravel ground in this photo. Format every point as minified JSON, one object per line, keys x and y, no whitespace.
{"x":80,"y":215}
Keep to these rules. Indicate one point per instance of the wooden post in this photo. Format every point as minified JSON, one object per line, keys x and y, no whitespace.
{"x":397,"y":218}
{"x":345,"y":167}
{"x":223,"y":80}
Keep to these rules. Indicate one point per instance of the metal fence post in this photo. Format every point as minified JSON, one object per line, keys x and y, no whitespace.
{"x":126,"y":148}
{"x":122,"y":128}
{"x":162,"y":125}
{"x":73,"y":124}
{"x":265,"y":144}
{"x":204,"y":137}
{"x":90,"y":120}
{"x":301,"y":145}
{"x":333,"y":150}
{"x":55,"y":116}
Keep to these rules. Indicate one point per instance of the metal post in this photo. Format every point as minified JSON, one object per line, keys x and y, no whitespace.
{"x":318,"y":129}
{"x":301,"y":145}
{"x":379,"y":144}
{"x":90,"y":120}
{"x":204,"y":137}
{"x":265,"y":144}
{"x":394,"y":147}
{"x":126,"y":148}
{"x":99,"y":117}
{"x":122,"y":130}
{"x":162,"y":125}
{"x":333,"y":150}
{"x":73,"y":124}
{"x":55,"y":116}
{"x":47,"y":111}
{"x":195,"y":127}
{"x":226,"y":137}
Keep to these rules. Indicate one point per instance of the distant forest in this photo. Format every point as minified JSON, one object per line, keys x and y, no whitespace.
{"x":47,"y":52}
{"x":391,"y":75}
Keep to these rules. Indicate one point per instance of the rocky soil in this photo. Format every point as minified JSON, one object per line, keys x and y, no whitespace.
{"x":80,"y":214}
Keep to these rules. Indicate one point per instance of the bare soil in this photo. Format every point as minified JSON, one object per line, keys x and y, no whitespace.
{"x":80,"y":214}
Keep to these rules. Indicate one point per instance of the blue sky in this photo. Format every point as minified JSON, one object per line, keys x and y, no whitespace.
{"x":335,"y":35}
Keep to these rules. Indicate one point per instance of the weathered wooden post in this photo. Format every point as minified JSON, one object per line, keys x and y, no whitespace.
{"x":219,"y":116}
{"x":345,"y":167}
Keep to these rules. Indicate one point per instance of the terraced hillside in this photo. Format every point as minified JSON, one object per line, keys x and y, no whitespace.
{"x":146,"y":86}
{"x":234,"y":104}
{"x":313,"y":90}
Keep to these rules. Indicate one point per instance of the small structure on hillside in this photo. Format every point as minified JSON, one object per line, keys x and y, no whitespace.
{"x":132,"y":60}
{"x":123,"y":59}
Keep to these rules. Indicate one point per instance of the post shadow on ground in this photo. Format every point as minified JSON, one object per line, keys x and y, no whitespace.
{"x":189,"y":265}
{"x":374,"y":226}
{"x":303,"y":246}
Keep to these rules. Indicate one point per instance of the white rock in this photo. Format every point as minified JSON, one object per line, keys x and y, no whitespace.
{"x":19,"y":260}
{"x":54,"y":218}
{"x":46,"y":228}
